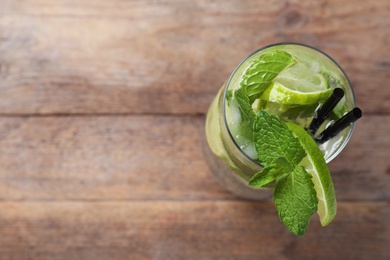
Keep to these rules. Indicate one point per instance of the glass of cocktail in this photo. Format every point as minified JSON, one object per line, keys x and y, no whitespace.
{"x":258,"y":128}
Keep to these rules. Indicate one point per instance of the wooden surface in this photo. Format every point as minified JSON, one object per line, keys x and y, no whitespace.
{"x":102,"y":109}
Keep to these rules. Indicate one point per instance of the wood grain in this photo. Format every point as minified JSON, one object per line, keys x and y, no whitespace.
{"x":190,"y":230}
{"x":153,"y":157}
{"x":104,"y":57}
{"x":101,"y":129}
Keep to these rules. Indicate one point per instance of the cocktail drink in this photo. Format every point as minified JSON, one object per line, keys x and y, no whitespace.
{"x":286,"y":111}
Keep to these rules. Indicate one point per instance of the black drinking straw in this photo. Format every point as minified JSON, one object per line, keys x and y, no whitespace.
{"x":339,"y":125}
{"x":324,"y":111}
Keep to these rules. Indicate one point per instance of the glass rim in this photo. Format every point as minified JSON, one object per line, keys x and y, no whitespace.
{"x":278,"y":44}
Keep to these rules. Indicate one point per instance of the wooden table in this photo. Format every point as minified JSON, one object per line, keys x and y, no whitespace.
{"x":102,"y":107}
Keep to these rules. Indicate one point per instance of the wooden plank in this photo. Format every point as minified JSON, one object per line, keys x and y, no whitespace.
{"x":153,"y":157}
{"x":172,"y":56}
{"x":186,"y":230}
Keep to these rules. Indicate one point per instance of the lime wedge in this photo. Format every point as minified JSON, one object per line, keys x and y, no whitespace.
{"x":290,"y":95}
{"x":315,"y":164}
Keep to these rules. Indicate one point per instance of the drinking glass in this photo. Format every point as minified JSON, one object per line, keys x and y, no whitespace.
{"x":229,"y":164}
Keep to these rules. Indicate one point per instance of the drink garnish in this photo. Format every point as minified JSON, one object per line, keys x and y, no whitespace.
{"x":281,"y":152}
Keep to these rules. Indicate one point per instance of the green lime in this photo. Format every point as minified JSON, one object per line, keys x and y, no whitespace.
{"x":315,"y":164}
{"x":293,"y":93}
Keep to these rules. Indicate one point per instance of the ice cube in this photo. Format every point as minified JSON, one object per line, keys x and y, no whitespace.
{"x":250,"y":150}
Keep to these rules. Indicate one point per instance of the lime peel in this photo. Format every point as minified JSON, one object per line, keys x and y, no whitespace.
{"x":278,"y":93}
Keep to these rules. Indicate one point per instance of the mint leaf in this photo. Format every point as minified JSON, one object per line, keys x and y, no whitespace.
{"x":273,"y":139}
{"x":296,"y":200}
{"x":246,"y":111}
{"x":271,"y":173}
{"x":244,"y":105}
{"x":267,"y":175}
{"x":263,"y":70}
{"x":284,"y":165}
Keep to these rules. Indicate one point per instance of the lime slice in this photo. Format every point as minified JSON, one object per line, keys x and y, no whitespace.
{"x":290,"y":95}
{"x":315,"y":164}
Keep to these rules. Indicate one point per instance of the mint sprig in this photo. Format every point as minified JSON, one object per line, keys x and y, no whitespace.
{"x":263,"y":70}
{"x":281,"y":152}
